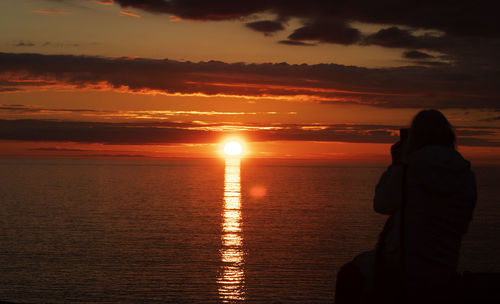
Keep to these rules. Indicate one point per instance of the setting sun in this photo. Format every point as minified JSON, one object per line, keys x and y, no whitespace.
{"x":233,"y":148}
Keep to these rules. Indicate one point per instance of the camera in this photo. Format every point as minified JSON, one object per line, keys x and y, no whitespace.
{"x":398,"y":147}
{"x":403,"y":135}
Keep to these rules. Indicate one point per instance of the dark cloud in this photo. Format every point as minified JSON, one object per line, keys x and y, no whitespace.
{"x":497,"y":118}
{"x":27,"y":43}
{"x":416,"y":55}
{"x":59,"y":44}
{"x":464,"y":31}
{"x":296,"y":43}
{"x":88,"y":153}
{"x":49,"y":44}
{"x":92,"y":132}
{"x":455,"y":18}
{"x":393,"y":37}
{"x":475,"y":132}
{"x":266,"y":26}
{"x":9,"y":90}
{"x":31,"y":109}
{"x":113,"y":155}
{"x":197,"y":9}
{"x":431,"y":63}
{"x":450,"y":47}
{"x":327,"y":31}
{"x":436,"y":86}
{"x":168,"y":132}
{"x":57,"y":149}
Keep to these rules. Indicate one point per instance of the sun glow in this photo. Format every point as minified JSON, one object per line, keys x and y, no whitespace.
{"x":233,"y":148}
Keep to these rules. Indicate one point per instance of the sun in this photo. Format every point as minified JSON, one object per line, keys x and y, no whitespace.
{"x":233,"y":148}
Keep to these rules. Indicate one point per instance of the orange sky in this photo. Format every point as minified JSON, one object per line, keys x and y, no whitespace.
{"x":293,"y":84}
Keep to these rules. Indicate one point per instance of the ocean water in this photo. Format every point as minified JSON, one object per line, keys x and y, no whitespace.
{"x":197,"y":231}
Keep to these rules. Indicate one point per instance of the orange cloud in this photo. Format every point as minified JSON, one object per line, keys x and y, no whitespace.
{"x":127,"y":13}
{"x":104,"y":2}
{"x":51,"y":11}
{"x":174,"y":19}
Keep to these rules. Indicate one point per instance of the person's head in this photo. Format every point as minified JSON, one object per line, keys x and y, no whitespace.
{"x":430,"y":128}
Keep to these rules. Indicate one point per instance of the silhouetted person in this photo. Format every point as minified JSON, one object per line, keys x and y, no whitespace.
{"x":429,"y":193}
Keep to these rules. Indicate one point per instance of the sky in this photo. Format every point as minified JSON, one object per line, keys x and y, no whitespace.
{"x":294,"y":79}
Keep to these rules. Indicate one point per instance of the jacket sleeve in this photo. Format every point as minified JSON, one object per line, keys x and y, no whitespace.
{"x":388,"y":190}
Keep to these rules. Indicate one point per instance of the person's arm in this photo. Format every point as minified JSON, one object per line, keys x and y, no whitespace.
{"x":388,"y":191}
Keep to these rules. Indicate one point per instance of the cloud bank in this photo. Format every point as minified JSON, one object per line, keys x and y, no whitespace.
{"x":412,"y":87}
{"x":141,"y":133}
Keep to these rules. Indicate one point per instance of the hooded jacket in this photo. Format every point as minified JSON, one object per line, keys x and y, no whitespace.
{"x":441,"y":196}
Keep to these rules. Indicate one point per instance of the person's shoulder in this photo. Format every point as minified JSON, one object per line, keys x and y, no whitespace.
{"x":441,"y":170}
{"x":439,"y":157}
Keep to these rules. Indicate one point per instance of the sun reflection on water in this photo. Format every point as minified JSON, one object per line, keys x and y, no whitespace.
{"x":232,"y":278}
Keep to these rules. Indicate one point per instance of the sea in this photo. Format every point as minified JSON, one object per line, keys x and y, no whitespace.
{"x":198,"y":230}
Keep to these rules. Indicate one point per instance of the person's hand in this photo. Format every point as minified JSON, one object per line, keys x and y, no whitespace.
{"x":396,"y":151}
{"x":399,"y":153}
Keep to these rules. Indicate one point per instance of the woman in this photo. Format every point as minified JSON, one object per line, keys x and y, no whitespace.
{"x":429,"y":192}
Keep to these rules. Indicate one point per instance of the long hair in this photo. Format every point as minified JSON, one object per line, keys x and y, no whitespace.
{"x":430,"y":128}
